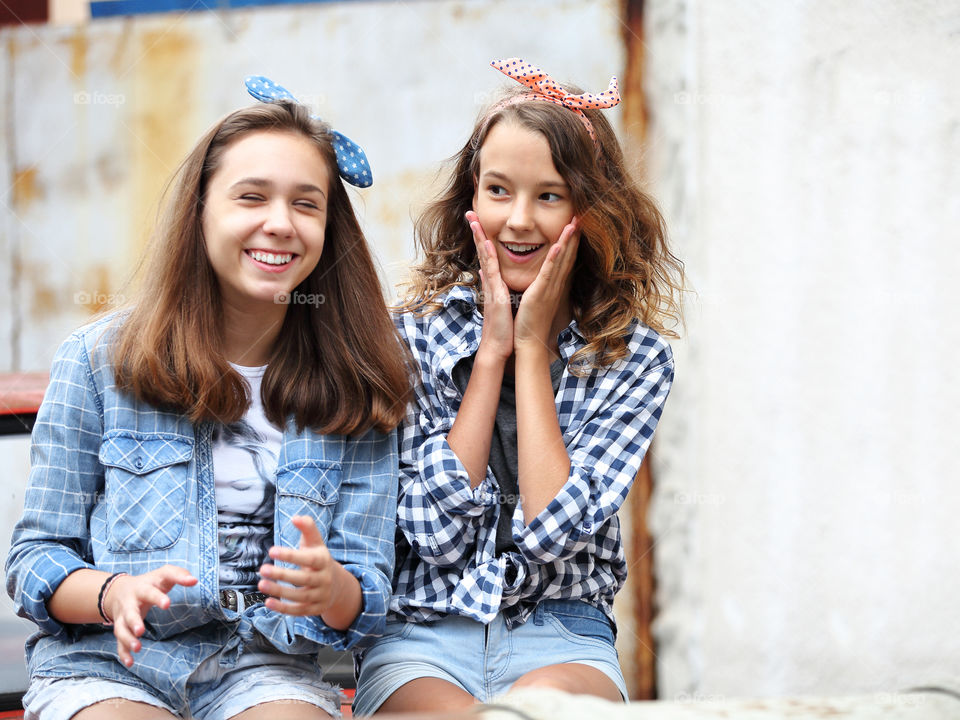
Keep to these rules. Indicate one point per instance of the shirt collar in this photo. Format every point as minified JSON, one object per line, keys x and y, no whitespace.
{"x":570,"y":339}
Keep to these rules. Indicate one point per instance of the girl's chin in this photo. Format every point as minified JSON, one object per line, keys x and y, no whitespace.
{"x":518,"y":285}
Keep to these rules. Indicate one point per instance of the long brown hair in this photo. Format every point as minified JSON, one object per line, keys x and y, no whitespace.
{"x":338,"y":365}
{"x":624,"y":269}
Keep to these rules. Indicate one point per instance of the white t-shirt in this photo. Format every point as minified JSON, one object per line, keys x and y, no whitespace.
{"x":244,"y":469}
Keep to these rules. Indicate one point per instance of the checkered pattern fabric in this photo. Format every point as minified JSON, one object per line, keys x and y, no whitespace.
{"x":446,"y":562}
{"x":119,"y":486}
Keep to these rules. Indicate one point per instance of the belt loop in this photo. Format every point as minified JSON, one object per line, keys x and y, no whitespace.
{"x":538,"y":614}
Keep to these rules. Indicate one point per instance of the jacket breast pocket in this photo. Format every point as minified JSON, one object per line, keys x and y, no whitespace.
{"x":309,"y":487}
{"x":146,"y":486}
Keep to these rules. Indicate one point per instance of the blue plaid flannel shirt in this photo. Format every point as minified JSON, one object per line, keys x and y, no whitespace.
{"x":446,"y":561}
{"x":118,"y":485}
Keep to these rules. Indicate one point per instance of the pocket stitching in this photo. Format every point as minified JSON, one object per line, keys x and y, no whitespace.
{"x":125,"y":475}
{"x":570,"y":634}
{"x":319,"y":497}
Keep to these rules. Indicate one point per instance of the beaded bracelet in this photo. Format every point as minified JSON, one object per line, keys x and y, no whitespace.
{"x":103,"y":593}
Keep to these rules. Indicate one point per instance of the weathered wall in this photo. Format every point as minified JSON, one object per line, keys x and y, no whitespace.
{"x":804,"y":153}
{"x":98,"y":116}
{"x":805,"y":517}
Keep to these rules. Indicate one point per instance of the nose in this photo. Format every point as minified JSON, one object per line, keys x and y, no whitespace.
{"x":521,"y":214}
{"x":278,"y":220}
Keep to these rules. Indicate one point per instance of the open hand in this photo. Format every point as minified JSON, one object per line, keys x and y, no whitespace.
{"x":311,"y":589}
{"x":548,"y":291}
{"x":129,"y":599}
{"x":497,"y":334}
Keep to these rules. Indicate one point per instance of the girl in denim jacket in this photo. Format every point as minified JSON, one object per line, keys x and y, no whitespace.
{"x":212,"y":495}
{"x":536,"y":325}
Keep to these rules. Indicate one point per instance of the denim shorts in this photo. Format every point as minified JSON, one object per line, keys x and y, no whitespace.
{"x":236,"y":691}
{"x":486,"y":660}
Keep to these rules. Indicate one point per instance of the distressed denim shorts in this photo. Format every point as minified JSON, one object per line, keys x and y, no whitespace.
{"x":236,"y":691}
{"x":485,"y":660}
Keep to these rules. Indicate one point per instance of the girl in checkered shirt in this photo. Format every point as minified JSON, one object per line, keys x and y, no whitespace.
{"x":536,"y":320}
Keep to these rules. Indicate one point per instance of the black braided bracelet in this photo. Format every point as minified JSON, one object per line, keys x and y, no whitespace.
{"x":103,"y":591}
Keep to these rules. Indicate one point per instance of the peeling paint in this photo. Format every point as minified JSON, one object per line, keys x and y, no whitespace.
{"x":79,"y":46}
{"x":26,"y":190}
{"x":119,"y":61}
{"x":164,"y":75}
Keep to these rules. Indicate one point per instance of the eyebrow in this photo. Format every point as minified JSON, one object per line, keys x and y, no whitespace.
{"x":500,"y":176}
{"x":261,"y":182}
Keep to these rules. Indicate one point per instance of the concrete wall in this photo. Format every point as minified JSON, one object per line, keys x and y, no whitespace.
{"x":806,"y":506}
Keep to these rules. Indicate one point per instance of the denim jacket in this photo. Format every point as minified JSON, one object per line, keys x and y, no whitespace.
{"x":118,"y":485}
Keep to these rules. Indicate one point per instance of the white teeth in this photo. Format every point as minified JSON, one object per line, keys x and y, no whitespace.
{"x":270,"y":258}
{"x":517,"y":248}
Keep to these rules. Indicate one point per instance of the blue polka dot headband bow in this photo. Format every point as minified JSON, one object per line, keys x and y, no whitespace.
{"x":351,"y":160}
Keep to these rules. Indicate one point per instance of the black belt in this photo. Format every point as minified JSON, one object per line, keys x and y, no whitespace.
{"x":228,"y":598}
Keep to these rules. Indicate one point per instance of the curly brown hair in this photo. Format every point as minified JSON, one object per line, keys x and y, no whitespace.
{"x":624,"y":269}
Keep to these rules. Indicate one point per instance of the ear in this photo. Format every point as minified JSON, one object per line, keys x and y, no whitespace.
{"x":476,"y":193}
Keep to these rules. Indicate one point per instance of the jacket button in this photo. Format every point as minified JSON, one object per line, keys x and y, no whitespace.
{"x":138,"y":463}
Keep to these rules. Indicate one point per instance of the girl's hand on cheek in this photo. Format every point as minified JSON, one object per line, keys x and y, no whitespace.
{"x":549,"y":291}
{"x":497,"y":337}
{"x":129,"y":599}
{"x":311,"y":589}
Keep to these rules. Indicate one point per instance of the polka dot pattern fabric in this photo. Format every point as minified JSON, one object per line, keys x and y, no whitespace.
{"x":544,"y":87}
{"x":351,"y":160}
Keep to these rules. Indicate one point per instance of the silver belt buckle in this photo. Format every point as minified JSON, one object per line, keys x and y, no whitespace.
{"x":228,"y":599}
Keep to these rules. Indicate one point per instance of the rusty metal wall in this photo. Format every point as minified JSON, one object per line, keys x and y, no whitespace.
{"x":97,"y":116}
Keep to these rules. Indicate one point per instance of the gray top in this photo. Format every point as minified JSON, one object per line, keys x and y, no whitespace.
{"x":503,"y":444}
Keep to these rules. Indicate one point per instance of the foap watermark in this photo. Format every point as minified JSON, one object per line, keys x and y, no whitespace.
{"x":698,"y":498}
{"x":299,"y":298}
{"x":315,"y":101}
{"x":698,"y":697}
{"x":99,"y":98}
{"x":887,"y":98}
{"x":98,"y":299}
{"x":702,"y":98}
{"x":485,"y":99}
{"x":901,"y":699}
{"x":897,"y":498}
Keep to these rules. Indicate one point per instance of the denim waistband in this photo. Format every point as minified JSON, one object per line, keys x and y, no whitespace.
{"x":580,"y":608}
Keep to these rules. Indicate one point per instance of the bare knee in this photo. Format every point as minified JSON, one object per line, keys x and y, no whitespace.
{"x":539,"y":679}
{"x":573,"y":678}
{"x":120,"y":709}
{"x":427,"y":694}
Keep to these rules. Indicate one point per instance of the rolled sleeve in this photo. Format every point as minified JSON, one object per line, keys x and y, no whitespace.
{"x":605,"y":457}
{"x":51,"y":540}
{"x":439,"y":512}
{"x":361,"y":537}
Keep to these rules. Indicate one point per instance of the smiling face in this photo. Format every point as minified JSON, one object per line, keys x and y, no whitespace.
{"x":522,"y":202}
{"x":264,"y":216}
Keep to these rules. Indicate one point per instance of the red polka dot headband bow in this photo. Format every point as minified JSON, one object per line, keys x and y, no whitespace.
{"x":544,"y":87}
